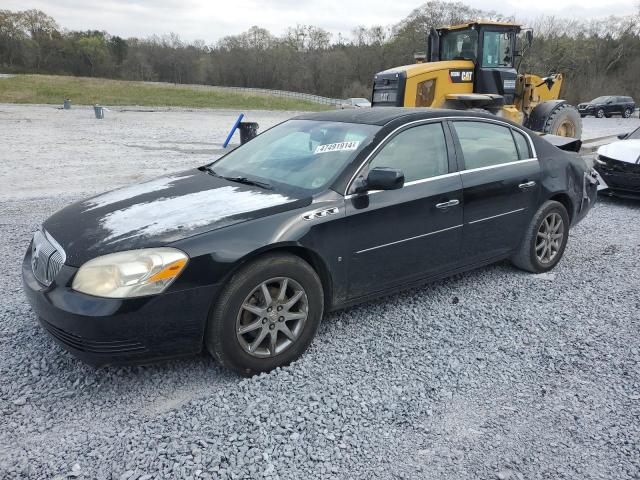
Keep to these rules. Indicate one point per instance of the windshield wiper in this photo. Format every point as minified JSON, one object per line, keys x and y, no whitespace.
{"x":244,"y":180}
{"x":248,"y":181}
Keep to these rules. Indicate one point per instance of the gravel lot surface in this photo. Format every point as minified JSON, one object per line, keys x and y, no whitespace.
{"x":492,"y":374}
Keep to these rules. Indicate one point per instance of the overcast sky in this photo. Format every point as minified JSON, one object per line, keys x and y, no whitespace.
{"x":209,"y":20}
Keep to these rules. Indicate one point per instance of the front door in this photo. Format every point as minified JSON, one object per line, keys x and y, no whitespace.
{"x":397,"y":236}
{"x":501,"y":186}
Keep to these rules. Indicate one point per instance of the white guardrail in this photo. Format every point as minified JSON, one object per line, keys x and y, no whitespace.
{"x":284,"y":93}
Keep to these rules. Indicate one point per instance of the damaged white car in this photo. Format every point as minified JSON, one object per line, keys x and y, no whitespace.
{"x":619,"y":165}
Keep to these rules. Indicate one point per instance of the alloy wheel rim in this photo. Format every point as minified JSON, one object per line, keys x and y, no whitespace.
{"x":549,"y":238}
{"x":272,"y":317}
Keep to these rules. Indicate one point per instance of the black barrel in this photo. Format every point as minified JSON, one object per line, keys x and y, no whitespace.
{"x":248,"y":130}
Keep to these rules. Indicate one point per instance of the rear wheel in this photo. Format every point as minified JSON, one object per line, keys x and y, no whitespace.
{"x":627,"y":113}
{"x":266,"y":315}
{"x":545,"y":239}
{"x":565,"y":121}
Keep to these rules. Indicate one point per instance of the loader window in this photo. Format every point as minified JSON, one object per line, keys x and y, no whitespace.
{"x":459,"y":45}
{"x":497,"y":49}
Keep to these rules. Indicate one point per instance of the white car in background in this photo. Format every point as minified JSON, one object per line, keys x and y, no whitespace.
{"x":355,"y":103}
{"x":618,"y":164}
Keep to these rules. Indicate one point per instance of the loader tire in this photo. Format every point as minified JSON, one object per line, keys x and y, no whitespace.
{"x":564,"y":121}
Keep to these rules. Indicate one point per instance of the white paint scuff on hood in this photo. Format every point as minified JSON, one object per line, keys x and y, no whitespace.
{"x":126,"y":193}
{"x":185,"y":212}
{"x":627,"y":151}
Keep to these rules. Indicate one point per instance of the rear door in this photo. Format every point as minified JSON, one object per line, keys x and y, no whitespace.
{"x":397,"y":236}
{"x":501,"y":186}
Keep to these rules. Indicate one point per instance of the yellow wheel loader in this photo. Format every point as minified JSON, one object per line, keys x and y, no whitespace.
{"x":472,"y":66}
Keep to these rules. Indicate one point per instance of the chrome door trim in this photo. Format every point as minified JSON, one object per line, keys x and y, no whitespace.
{"x":491,"y":167}
{"x":408,"y":184}
{"x":496,"y":216}
{"x":407,"y":239}
{"x":442,"y":119}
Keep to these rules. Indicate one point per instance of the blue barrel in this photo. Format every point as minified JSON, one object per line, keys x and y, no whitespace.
{"x":99,"y":111}
{"x":67,"y":104}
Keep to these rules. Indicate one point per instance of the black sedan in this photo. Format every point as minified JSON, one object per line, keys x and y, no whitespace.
{"x":244,"y":256}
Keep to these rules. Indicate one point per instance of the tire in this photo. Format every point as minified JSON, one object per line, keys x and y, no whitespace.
{"x":582,"y":115}
{"x":600,"y":113}
{"x":526,"y":257}
{"x":231,"y":348}
{"x":627,"y":113}
{"x":565,"y":121}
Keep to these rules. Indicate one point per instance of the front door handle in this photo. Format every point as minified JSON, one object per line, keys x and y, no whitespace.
{"x":525,"y":185}
{"x":449,"y":204}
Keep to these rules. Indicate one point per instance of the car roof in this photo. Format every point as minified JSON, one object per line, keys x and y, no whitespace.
{"x":384,"y":115}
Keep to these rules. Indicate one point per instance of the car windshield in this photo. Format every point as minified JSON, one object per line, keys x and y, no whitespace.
{"x":600,"y":100}
{"x":304,"y":154}
{"x":635,"y":135}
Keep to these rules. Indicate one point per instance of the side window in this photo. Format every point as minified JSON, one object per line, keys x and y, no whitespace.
{"x":420,"y":152}
{"x":485,"y":144}
{"x":523,"y":145}
{"x":496,"y":50}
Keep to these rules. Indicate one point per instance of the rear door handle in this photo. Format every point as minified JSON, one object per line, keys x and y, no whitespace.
{"x":524,"y":186}
{"x":449,"y":204}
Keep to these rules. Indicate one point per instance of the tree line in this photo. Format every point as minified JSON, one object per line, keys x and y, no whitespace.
{"x":598,"y":57}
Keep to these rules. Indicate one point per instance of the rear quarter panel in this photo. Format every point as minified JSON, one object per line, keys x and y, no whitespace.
{"x":563,"y":173}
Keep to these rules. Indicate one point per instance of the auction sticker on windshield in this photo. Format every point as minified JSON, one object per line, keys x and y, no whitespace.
{"x":336,"y":147}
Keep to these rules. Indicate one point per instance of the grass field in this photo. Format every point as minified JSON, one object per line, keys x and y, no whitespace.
{"x":51,"y":89}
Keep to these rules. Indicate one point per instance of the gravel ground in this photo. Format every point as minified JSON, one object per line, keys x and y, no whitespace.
{"x":492,"y":374}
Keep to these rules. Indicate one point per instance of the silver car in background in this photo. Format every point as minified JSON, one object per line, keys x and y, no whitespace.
{"x":355,"y":103}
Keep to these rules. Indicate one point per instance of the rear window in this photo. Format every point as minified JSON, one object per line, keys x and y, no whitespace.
{"x":485,"y":144}
{"x":522,"y":143}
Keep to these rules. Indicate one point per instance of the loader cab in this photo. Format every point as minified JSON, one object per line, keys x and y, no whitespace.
{"x":491,"y":46}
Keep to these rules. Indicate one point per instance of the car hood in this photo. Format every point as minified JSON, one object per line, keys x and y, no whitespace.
{"x":158,"y":212}
{"x":626,"y":151}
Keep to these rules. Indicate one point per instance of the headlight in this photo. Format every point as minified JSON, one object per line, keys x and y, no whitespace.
{"x":134,"y":273}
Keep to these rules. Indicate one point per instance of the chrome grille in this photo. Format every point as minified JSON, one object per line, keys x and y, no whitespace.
{"x":47,"y":257}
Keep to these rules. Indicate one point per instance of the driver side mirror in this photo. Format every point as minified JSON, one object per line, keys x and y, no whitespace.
{"x":622,"y":136}
{"x":380,"y":178}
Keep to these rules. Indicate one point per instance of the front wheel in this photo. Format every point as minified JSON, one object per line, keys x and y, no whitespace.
{"x":600,"y":113}
{"x":545,"y":239}
{"x":266,"y":316}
